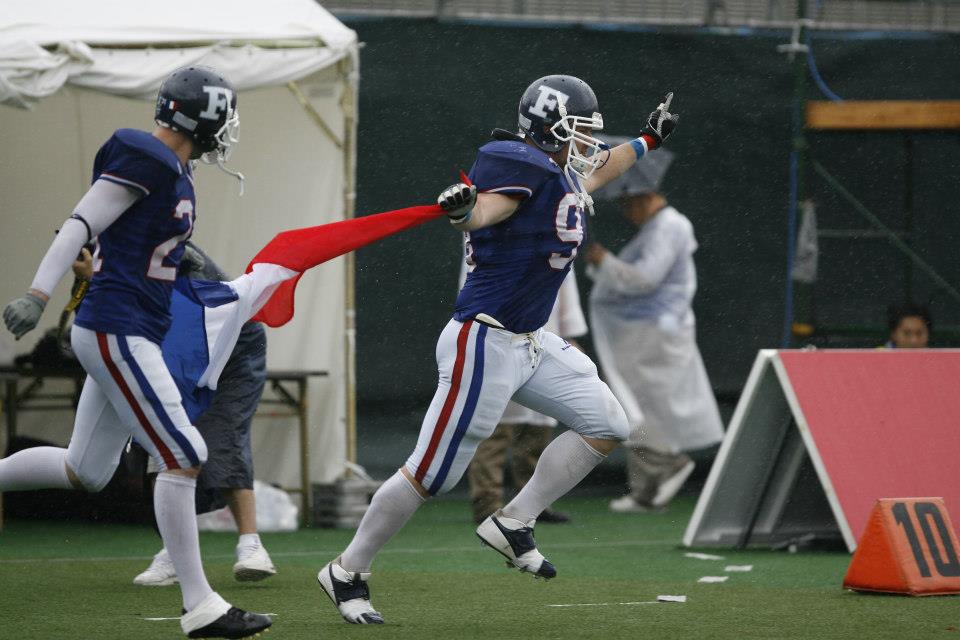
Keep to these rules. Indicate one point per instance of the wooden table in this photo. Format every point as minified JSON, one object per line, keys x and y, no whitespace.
{"x":33,"y":396}
{"x":296,"y":400}
{"x":289,"y":389}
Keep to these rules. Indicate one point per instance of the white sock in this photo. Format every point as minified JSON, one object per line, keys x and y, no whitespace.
{"x":563,"y":464}
{"x":173,"y":502}
{"x":35,"y":468}
{"x":249,"y":540}
{"x":392,"y":505}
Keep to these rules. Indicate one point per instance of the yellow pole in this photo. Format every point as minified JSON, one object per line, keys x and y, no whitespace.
{"x":349,"y":73}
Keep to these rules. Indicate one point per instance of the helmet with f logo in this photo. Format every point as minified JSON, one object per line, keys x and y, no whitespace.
{"x":202,"y":104}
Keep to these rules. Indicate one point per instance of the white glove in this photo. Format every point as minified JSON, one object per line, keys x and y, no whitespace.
{"x":22,"y":314}
{"x":457,"y":200}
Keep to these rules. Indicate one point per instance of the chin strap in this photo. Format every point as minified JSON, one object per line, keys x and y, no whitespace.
{"x":586,"y":200}
{"x":235,"y":174}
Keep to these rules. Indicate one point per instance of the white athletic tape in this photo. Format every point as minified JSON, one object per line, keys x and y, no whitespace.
{"x":671,"y":598}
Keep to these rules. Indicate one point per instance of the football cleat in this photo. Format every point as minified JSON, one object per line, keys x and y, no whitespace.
{"x":160,"y":573}
{"x":513,"y":540}
{"x":349,"y":593}
{"x":215,"y":618}
{"x":253,"y":564}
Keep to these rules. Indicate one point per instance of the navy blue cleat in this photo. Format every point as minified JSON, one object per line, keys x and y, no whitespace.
{"x":349,"y":593}
{"x":513,"y":540}
{"x":215,"y":618}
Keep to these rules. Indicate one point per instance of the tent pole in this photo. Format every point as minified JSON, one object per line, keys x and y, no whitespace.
{"x":350,"y":75}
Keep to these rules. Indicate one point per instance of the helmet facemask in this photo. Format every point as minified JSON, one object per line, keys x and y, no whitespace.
{"x":569,"y":129}
{"x":226,"y":137}
{"x":581,"y":162}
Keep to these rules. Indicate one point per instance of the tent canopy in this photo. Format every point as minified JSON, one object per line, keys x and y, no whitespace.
{"x":126,"y":48}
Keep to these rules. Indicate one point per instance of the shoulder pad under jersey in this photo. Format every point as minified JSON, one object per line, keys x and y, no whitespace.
{"x":146,"y":144}
{"x":516,"y":151}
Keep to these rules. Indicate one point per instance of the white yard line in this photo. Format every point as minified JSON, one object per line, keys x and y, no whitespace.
{"x":331,"y":552}
{"x":272,"y":615}
{"x":604,"y":604}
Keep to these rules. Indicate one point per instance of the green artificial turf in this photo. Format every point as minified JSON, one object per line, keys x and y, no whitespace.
{"x":435,"y":581}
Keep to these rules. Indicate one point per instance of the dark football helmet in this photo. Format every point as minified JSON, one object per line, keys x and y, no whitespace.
{"x":558,"y":109}
{"x":199,"y":102}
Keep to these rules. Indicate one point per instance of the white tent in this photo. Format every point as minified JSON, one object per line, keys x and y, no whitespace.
{"x":77,"y":75}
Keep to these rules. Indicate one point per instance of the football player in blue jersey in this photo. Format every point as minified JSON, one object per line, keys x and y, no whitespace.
{"x":141,"y":208}
{"x":522,"y":217}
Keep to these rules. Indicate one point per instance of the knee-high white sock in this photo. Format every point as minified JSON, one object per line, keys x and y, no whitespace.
{"x":392,"y":505}
{"x":35,"y":468}
{"x":173,"y":502}
{"x":562,"y":465}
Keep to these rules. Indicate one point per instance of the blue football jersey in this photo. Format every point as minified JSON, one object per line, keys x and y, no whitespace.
{"x":137,"y":256}
{"x":519,"y":264}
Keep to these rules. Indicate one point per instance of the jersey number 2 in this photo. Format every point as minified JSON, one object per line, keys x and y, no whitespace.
{"x":569,"y":206}
{"x":157,"y":270}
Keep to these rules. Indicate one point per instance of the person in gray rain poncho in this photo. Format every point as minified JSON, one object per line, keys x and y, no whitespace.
{"x":645,"y":336}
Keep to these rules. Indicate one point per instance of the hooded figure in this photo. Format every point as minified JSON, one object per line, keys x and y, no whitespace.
{"x":644,"y":332}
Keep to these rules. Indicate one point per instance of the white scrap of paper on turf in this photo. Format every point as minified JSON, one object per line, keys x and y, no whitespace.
{"x":735,"y":568}
{"x":603,"y":604}
{"x":272,"y":615}
{"x":671,"y":598}
{"x":714,"y":579}
{"x":702,"y":556}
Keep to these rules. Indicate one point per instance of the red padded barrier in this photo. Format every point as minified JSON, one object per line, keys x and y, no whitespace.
{"x":885,"y":423}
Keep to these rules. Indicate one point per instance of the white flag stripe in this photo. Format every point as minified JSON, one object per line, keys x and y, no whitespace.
{"x":224,"y":322}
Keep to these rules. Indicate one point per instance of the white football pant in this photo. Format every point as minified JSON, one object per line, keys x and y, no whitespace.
{"x":128,"y":392}
{"x":481,"y":369}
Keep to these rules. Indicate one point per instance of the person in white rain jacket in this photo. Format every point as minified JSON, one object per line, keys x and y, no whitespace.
{"x":645,"y":336}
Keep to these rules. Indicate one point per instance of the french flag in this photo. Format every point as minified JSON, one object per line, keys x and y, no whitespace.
{"x":266,"y":292}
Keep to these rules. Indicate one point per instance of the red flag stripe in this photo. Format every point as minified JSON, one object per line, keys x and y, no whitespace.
{"x":302,"y":249}
{"x":451,"y":400}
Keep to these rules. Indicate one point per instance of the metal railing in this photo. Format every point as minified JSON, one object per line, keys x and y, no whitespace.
{"x":879,"y":15}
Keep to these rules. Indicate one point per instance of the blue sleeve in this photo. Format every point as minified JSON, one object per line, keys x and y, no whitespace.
{"x":132,"y":167}
{"x":509,"y":168}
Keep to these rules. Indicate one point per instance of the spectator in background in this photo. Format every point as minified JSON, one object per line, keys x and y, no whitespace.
{"x":645,"y":336}
{"x":523,"y":433}
{"x":910,"y":326}
{"x":223,"y":417}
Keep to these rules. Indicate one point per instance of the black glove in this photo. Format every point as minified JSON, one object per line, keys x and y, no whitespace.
{"x":192,"y":262}
{"x":457,"y":200}
{"x":661,"y":122}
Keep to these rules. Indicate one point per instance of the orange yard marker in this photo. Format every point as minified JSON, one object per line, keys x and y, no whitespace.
{"x":909,"y":547}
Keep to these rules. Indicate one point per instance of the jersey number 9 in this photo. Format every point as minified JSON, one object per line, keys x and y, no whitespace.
{"x":569,"y":207}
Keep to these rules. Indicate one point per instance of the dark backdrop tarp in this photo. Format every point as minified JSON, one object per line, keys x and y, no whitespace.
{"x":431,"y":92}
